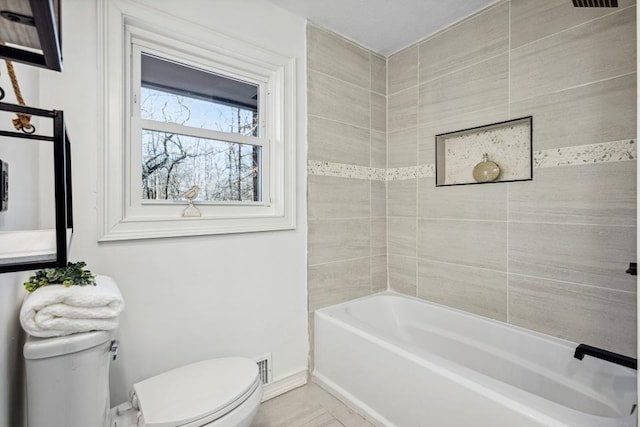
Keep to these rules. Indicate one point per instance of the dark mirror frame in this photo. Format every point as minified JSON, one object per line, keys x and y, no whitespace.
{"x":62,"y":184}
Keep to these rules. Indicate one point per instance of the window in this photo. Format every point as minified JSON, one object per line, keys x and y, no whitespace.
{"x":216,"y":115}
{"x":196,"y":127}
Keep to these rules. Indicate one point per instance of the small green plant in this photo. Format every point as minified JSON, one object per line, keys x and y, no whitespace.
{"x":74,"y":274}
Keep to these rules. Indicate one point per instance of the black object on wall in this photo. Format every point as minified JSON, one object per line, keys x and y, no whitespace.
{"x":45,"y":19}
{"x":62,"y":188}
{"x":595,"y":3}
{"x":4,"y":186}
{"x":633,"y":269}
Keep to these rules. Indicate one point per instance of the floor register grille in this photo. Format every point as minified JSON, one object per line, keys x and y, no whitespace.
{"x":264,"y":368}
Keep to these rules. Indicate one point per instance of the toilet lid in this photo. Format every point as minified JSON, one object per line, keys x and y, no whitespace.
{"x":190,"y":393}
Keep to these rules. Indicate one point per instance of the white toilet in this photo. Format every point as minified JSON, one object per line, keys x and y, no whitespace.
{"x":68,"y":386}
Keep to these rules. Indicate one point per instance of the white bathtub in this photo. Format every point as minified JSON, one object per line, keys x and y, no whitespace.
{"x":405,"y":362}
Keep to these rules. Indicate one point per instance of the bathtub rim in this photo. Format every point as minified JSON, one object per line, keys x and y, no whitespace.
{"x":454,"y":371}
{"x":326,"y":311}
{"x":446,"y":371}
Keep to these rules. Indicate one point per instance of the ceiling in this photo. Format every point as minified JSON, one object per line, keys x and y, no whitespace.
{"x":384,"y":26}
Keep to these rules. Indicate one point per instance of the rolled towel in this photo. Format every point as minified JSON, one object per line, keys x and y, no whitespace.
{"x":52,"y":311}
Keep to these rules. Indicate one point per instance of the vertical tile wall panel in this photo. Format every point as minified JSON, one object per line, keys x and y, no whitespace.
{"x":476,"y":290}
{"x":403,"y":69}
{"x":583,"y":314}
{"x":477,"y":87}
{"x":338,"y":198}
{"x":339,"y":281}
{"x":402,"y":274}
{"x":337,"y":100}
{"x":602,"y":193}
{"x":533,"y":20}
{"x":469,"y":42}
{"x":595,"y":255}
{"x":597,"y":112}
{"x":332,"y":141}
{"x":330,"y":54}
{"x":598,"y":50}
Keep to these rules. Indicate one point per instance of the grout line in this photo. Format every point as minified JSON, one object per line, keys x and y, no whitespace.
{"x":492,"y":221}
{"x":319,"y":264}
{"x":406,"y":89}
{"x":578,"y":86}
{"x":370,"y":180}
{"x":508,"y":246}
{"x":581,"y":224}
{"x":408,"y":128}
{"x":339,"y":79}
{"x":509,"y":185}
{"x":498,"y":221}
{"x":417,"y":195}
{"x":573,"y":27}
{"x":458,"y":264}
{"x":448,"y":73}
{"x":585,"y":285}
{"x":348,"y":218}
{"x":466,"y":67}
{"x":509,"y":69}
{"x":518,"y":274}
{"x":338,"y":121}
{"x":386,"y":166}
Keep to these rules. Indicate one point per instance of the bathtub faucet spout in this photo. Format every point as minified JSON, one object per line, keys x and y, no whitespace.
{"x":603,"y":354}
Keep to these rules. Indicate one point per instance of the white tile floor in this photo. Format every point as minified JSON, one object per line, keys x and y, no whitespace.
{"x":307,"y":406}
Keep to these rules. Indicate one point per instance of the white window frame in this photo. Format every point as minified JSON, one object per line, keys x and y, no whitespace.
{"x":125,"y":29}
{"x":140,"y":206}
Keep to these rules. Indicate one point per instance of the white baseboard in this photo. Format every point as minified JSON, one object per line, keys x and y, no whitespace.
{"x":283,"y":385}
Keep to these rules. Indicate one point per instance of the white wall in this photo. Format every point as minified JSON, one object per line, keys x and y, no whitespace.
{"x":11,"y":362}
{"x":200,"y":297}
{"x":22,"y":157}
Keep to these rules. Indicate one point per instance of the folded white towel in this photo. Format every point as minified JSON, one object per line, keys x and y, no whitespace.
{"x":52,"y":311}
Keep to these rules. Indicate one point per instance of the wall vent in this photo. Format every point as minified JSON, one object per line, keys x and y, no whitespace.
{"x":595,"y":3}
{"x":264,"y":368}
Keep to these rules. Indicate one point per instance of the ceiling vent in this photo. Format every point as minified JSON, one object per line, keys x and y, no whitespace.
{"x":595,"y":3}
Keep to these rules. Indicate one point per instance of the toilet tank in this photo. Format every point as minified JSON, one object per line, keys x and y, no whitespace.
{"x":68,"y":380}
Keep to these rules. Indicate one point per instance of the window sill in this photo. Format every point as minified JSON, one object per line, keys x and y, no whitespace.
{"x":197,"y":226}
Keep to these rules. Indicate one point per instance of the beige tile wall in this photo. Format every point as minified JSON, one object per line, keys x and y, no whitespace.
{"x":347,"y":124}
{"x":549,"y":254}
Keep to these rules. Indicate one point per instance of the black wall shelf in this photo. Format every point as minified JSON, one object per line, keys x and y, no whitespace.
{"x":44,"y":16}
{"x":59,"y":254}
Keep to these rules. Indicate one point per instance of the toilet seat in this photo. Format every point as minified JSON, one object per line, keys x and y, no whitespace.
{"x":197,"y":394}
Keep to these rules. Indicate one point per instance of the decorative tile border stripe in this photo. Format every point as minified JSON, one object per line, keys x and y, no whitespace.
{"x":615,"y":151}
{"x":342,"y":170}
{"x":422,"y":171}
